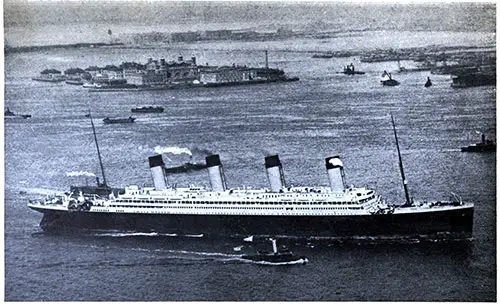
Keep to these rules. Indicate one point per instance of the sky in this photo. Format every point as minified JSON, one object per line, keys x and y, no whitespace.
{"x":44,"y":20}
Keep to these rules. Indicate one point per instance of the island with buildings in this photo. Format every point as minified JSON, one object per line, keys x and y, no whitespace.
{"x":158,"y":74}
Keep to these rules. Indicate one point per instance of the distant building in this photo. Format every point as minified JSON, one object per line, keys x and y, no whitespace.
{"x":282,"y":33}
{"x":220,"y":75}
{"x":76,"y":74}
{"x":243,"y":35}
{"x":50,"y":75}
{"x":217,"y":35}
{"x":133,"y":72}
{"x":112,"y":72}
{"x":93,"y":70}
{"x":185,"y":36}
{"x":161,"y":72}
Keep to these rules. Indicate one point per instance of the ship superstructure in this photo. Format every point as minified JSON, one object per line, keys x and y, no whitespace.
{"x":281,"y":200}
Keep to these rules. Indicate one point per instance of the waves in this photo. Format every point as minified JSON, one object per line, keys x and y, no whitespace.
{"x":308,"y":241}
{"x":197,"y":253}
{"x":313,"y":241}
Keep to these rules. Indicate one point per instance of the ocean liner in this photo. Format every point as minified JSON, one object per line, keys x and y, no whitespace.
{"x":333,"y":211}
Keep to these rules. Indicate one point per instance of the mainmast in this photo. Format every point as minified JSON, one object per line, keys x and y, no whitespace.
{"x":98,"y":152}
{"x":405,"y":186}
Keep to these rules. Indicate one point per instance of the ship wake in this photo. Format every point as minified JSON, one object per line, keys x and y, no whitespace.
{"x":442,"y":237}
{"x":146,"y":234}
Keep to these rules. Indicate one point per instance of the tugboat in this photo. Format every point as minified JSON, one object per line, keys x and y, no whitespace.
{"x":325,"y":55}
{"x":428,"y":83}
{"x":473,"y":79}
{"x":11,"y":115}
{"x":107,"y":120}
{"x":75,"y":81}
{"x":485,"y":145}
{"x":349,"y":70}
{"x":277,"y":257}
{"x":387,"y":80}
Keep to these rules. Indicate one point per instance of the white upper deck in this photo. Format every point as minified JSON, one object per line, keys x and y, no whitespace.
{"x":293,"y":201}
{"x":350,"y":195}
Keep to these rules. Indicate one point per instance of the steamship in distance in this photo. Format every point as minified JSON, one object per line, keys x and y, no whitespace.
{"x":336,"y":211}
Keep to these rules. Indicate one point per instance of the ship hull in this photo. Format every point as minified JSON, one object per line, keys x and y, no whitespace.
{"x":49,"y":80}
{"x":457,"y":221}
{"x":276,"y":258}
{"x":150,"y":110}
{"x":479,"y":148}
{"x":119,"y":121}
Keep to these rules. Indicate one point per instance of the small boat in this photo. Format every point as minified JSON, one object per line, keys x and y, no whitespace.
{"x":76,"y":82}
{"x":90,"y":85}
{"x":349,"y":70}
{"x":387,"y":80}
{"x":113,"y":88}
{"x":50,"y":79}
{"x":326,"y":55}
{"x":11,"y":115}
{"x":428,"y":83}
{"x":186,"y":167}
{"x":107,"y":120}
{"x":473,"y":79}
{"x":485,"y":145}
{"x":290,"y":79}
{"x":277,"y":257}
{"x":148,"y":109}
{"x":390,"y":82}
{"x":426,"y":67}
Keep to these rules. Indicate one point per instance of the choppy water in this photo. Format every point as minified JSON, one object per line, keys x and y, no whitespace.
{"x":323,"y":114}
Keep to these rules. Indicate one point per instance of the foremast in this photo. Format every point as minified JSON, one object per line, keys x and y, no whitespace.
{"x":98,"y":152}
{"x":405,"y":186}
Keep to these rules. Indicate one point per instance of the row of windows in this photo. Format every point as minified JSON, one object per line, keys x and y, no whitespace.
{"x":335,"y":208}
{"x":366,"y":199}
{"x":189,"y":207}
{"x":242,"y":208}
{"x":295,"y":195}
{"x":242,"y":202}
